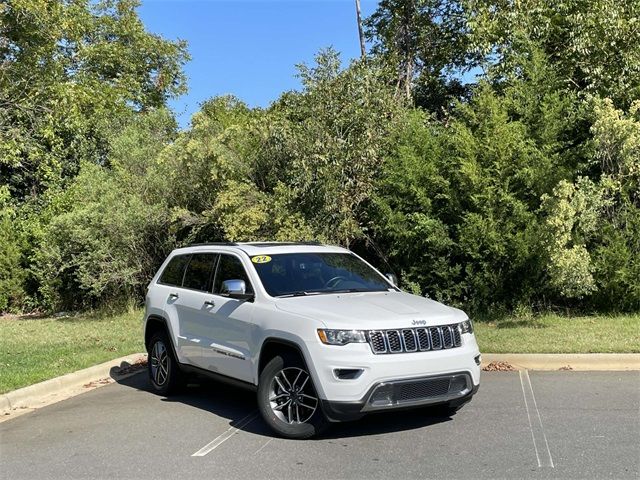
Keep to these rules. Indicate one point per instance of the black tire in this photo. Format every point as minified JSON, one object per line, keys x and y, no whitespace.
{"x":290,"y":371}
{"x":165,"y":376}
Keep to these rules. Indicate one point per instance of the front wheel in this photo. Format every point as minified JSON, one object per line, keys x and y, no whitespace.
{"x":288,"y":400}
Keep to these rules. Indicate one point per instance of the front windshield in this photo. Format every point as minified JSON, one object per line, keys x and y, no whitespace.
{"x":293,"y":274}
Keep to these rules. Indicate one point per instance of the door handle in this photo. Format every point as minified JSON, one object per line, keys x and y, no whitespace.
{"x":209,"y":303}
{"x":173,"y":296}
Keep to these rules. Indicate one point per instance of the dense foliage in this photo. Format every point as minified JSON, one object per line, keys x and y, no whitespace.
{"x":515,"y":185}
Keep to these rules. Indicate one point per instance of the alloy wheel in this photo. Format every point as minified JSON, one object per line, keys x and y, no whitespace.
{"x":292,"y":397}
{"x":159,"y":363}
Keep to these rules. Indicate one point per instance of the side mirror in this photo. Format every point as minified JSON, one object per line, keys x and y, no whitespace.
{"x":392,"y":278}
{"x":235,"y":289}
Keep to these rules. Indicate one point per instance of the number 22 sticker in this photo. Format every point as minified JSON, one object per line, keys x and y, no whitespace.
{"x":261,"y":259}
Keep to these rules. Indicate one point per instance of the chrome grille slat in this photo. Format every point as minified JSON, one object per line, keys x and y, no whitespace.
{"x":436,"y":338}
{"x":423,"y":339}
{"x":447,"y":337}
{"x":377,"y":342}
{"x":409,"y":340}
{"x":393,"y":341}
{"x":457,"y":338}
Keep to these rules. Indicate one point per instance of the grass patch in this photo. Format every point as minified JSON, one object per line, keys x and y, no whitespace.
{"x":36,"y":349}
{"x":559,"y":334}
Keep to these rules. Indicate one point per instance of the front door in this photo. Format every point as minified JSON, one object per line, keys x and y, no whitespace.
{"x":228,"y":348}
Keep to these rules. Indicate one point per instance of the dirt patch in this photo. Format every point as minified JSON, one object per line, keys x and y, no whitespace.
{"x":499,"y":367}
{"x":95,"y":383}
{"x":8,"y":317}
{"x":566,"y":367}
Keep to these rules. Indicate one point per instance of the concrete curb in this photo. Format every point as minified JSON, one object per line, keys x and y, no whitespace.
{"x":566,"y":361}
{"x":60,"y":388}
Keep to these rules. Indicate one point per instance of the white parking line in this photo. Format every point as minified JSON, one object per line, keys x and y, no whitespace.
{"x":537,"y":430}
{"x":265,"y":444}
{"x":220,"y":439}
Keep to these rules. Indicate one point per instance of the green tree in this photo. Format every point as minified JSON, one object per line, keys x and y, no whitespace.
{"x":12,"y":273}
{"x":102,"y":238}
{"x":330,"y":141}
{"x":68,"y":69}
{"x":458,"y":202}
{"x":616,"y":251}
{"x":594,"y":45}
{"x":427,"y":43}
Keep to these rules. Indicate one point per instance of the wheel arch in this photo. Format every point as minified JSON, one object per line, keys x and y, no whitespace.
{"x":155,"y":324}
{"x":273,"y":346}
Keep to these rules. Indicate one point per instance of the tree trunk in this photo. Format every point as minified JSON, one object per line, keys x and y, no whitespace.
{"x":363,"y":51}
{"x":408,"y":44}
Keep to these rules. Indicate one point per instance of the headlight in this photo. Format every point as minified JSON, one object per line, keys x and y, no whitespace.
{"x":341,"y":337}
{"x":466,"y":326}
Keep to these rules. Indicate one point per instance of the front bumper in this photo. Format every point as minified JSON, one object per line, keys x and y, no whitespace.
{"x":405,"y":394}
{"x":325,"y":361}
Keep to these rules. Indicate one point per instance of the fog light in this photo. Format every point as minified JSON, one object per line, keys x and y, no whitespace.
{"x":458,"y":384}
{"x":382,"y":396}
{"x":347,"y":373}
{"x":478,"y":359}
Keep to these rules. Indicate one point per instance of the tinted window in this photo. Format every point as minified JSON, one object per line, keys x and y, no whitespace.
{"x":318,"y":273}
{"x":173,"y":272}
{"x":230,"y":268}
{"x":199,"y":271}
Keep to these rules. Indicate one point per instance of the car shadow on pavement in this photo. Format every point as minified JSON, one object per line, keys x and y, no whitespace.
{"x":235,"y":404}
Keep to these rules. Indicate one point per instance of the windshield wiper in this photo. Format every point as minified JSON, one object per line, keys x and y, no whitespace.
{"x":304,"y":293}
{"x":300,"y":293}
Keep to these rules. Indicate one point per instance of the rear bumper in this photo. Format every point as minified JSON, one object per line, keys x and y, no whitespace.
{"x":344,"y":411}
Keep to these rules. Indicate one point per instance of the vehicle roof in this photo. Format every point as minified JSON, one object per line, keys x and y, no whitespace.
{"x":263,"y":248}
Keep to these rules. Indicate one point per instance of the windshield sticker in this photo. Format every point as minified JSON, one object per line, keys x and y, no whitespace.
{"x":261,"y":259}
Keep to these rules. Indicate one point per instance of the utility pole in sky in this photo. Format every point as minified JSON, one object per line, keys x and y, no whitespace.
{"x":363,"y":52}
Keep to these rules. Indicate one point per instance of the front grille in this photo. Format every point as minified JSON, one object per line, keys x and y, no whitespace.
{"x":410,"y":340}
{"x":423,"y":390}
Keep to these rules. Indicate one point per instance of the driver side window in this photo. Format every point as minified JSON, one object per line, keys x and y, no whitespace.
{"x":230,"y":268}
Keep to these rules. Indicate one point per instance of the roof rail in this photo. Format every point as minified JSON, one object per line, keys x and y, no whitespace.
{"x":212,"y":243}
{"x":278,"y":244}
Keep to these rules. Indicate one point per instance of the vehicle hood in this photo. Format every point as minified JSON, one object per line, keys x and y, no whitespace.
{"x":371,"y":310}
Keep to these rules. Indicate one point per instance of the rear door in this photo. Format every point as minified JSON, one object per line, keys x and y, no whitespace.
{"x":170,"y":286}
{"x":193,"y":305}
{"x":232,"y":333}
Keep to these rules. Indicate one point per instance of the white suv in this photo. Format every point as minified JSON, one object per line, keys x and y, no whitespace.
{"x":318,"y":332}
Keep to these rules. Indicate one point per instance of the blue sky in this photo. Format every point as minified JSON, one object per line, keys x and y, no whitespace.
{"x":249,"y":48}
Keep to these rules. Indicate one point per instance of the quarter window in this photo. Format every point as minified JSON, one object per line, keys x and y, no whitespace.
{"x":174,"y":271}
{"x":199,"y":271}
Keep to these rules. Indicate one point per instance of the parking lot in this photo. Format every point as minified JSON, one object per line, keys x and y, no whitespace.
{"x":520,"y":425}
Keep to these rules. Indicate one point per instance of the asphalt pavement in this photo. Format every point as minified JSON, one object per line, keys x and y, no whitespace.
{"x":519,"y":425}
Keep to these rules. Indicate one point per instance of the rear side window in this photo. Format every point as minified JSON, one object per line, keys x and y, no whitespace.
{"x":199,"y":271}
{"x":231,"y":268}
{"x":174,"y":271}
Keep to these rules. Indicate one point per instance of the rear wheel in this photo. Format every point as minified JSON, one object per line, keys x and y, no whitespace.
{"x":288,"y":400}
{"x":164,"y":373}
